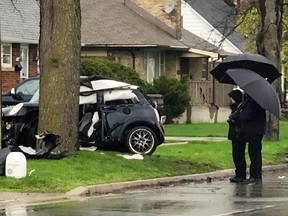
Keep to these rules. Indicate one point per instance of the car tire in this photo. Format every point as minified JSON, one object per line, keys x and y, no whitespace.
{"x":141,"y":140}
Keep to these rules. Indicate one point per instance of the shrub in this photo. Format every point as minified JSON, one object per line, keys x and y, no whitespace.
{"x":110,"y":69}
{"x":175,"y":95}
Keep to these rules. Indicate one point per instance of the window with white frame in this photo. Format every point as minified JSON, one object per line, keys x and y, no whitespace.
{"x":204,"y":68}
{"x":6,"y":55}
{"x":154,"y":64}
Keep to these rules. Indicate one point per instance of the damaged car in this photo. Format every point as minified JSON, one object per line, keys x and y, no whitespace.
{"x":111,"y":113}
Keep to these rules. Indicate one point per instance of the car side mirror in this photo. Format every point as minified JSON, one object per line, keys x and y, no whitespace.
{"x":12,"y":91}
{"x":17,"y":96}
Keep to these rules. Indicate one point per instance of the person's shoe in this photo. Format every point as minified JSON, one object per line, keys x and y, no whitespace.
{"x":252,"y":180}
{"x":237,"y":179}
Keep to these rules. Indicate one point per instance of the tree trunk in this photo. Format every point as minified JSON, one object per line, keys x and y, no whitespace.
{"x":268,"y":44}
{"x":60,"y":44}
{"x":0,"y":87}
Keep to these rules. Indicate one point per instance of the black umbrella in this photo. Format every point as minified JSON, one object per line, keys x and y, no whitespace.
{"x":257,"y":88}
{"x":254,"y":62}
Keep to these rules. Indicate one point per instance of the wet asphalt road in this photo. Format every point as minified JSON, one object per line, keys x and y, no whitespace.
{"x":217,"y":198}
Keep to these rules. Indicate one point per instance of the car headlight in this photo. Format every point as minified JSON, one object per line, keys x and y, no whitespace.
{"x":8,"y":126}
{"x":16,"y":109}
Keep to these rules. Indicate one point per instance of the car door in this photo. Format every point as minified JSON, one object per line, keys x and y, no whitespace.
{"x":118,"y":108}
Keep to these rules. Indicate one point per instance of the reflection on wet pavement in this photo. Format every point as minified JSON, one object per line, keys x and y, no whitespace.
{"x":217,"y":198}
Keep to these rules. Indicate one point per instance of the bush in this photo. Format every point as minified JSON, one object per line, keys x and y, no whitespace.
{"x":111,"y":70}
{"x":175,"y":95}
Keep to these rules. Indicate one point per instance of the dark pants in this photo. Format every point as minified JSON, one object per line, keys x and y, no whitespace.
{"x":238,"y":154}
{"x":255,"y":155}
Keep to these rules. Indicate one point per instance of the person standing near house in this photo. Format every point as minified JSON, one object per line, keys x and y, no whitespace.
{"x":238,"y":143}
{"x":18,"y":65}
{"x":252,"y":119}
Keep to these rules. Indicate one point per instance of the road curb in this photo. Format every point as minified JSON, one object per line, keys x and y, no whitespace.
{"x":116,"y":187}
{"x":14,"y":198}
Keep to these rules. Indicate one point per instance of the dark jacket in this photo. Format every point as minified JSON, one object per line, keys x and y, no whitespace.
{"x":252,"y":118}
{"x":234,"y":125}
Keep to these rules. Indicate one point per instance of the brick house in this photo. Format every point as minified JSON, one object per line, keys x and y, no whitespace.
{"x":19,"y":39}
{"x":143,"y":36}
{"x":123,"y":31}
{"x":140,"y":34}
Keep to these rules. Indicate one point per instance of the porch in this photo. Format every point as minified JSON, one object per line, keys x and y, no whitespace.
{"x":209,"y":102}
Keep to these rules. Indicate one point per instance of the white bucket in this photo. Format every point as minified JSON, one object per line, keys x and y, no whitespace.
{"x":16,"y":165}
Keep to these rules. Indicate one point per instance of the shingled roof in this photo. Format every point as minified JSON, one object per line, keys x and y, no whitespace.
{"x":19,"y":21}
{"x":193,"y":41}
{"x":110,"y":23}
{"x":107,"y":23}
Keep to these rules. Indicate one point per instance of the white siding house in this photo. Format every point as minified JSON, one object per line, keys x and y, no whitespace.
{"x":198,"y":25}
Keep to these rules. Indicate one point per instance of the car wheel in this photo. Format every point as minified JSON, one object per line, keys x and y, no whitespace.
{"x":141,"y":140}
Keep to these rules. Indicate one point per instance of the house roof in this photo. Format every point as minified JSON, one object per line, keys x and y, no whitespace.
{"x":193,"y":41}
{"x":109,"y":23}
{"x":221,"y":16}
{"x":19,"y":21}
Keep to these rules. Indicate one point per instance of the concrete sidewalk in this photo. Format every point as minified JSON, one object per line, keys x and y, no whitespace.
{"x":16,"y":199}
{"x":170,"y":138}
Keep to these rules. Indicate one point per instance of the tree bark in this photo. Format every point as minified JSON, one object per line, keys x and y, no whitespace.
{"x":268,"y":44}
{"x":60,"y":44}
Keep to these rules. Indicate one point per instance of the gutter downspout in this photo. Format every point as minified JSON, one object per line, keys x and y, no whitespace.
{"x":133,"y":58}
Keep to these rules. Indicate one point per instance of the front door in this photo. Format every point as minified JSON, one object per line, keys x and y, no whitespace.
{"x":24,"y":73}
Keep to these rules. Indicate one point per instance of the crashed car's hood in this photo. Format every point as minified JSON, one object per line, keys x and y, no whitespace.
{"x":104,"y":84}
{"x":88,"y":89}
{"x":18,"y":109}
{"x":12,"y":110}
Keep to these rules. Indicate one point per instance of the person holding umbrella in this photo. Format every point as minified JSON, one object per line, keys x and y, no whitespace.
{"x":252,"y":119}
{"x":234,"y":134}
{"x":253,"y":73}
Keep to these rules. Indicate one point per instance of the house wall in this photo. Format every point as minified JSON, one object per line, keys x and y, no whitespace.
{"x":156,"y":8}
{"x":195,"y":23}
{"x":33,"y":59}
{"x":125,"y":57}
{"x":10,"y":78}
{"x":195,"y":69}
{"x":172,"y":67}
{"x":205,"y":114}
{"x":172,"y":59}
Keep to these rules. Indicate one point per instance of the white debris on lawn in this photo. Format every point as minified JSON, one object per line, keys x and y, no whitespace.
{"x":134,"y":156}
{"x":91,"y":148}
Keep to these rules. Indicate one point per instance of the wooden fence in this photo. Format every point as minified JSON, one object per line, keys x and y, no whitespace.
{"x":205,"y":93}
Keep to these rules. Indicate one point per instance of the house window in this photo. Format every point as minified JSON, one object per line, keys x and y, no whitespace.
{"x":204,"y":69}
{"x":6,"y":55}
{"x":154,"y":64}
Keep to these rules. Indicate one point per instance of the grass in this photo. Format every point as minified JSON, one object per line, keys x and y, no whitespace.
{"x":88,"y":168}
{"x":197,"y":130}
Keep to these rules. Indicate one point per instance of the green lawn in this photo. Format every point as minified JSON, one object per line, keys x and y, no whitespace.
{"x":88,"y":168}
{"x":197,"y":130}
